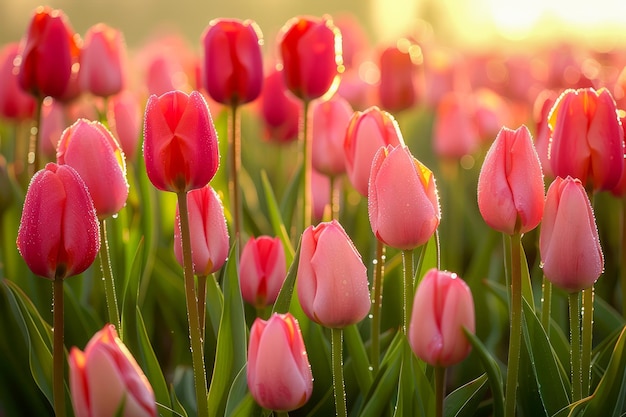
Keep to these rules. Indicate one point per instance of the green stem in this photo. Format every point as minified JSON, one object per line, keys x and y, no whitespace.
{"x":587,"y":337}
{"x":58,"y":350}
{"x":338,"y":385}
{"x":109,"y":282}
{"x":515,"y":339}
{"x":546,"y":305}
{"x":234,"y":138}
{"x":281,"y":413}
{"x":33,"y":148}
{"x":575,"y":362}
{"x":305,"y":185}
{"x":334,"y":198}
{"x":407,"y":269}
{"x":202,"y":302}
{"x":440,"y":389}
{"x":377,"y":302}
{"x":197,"y":356}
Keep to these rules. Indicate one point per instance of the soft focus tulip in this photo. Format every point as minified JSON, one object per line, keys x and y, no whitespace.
{"x":279,"y":375}
{"x":48,"y":51}
{"x":568,"y":242}
{"x":105,"y":379}
{"x":58,"y":235}
{"x":403,"y":204}
{"x":510,"y":184}
{"x":398,"y":70}
{"x":124,"y":117}
{"x":320,"y":194}
{"x":91,"y":150}
{"x":233,"y":64}
{"x":280,"y":111}
{"x":310,"y":49}
{"x":262,"y":270}
{"x":53,"y":123}
{"x":15,"y":104}
{"x":330,"y":122}
{"x":332,"y":279}
{"x":455,"y":133}
{"x":103,"y":61}
{"x":209,"y":233}
{"x":541,"y":110}
{"x":442,"y":307}
{"x":587,"y":138}
{"x":366,"y":133}
{"x":180,"y":142}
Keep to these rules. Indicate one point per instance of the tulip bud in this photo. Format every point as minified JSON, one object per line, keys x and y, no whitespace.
{"x":15,"y":104}
{"x":92,"y":151}
{"x":233,"y":64}
{"x":455,"y":133}
{"x":366,"y":133}
{"x":209,"y":234}
{"x":397,"y":90}
{"x":403,"y":204}
{"x":180,"y":142}
{"x":330,"y":121}
{"x":280,"y":111}
{"x":105,"y":379}
{"x":332,"y":279}
{"x":59,"y":234}
{"x":103,"y":61}
{"x":442,"y":307}
{"x":570,"y":249}
{"x":262,"y":270}
{"x":53,"y":123}
{"x":510,"y":184}
{"x":124,"y":117}
{"x":541,"y":110}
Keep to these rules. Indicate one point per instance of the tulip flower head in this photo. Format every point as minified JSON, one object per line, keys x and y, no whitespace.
{"x":332,"y":279}
{"x":103,"y":61}
{"x":398,"y":71}
{"x":280,"y":110}
{"x":570,"y":249}
{"x":15,"y":103}
{"x":105,"y":379}
{"x":442,"y":307}
{"x":59,"y":234}
{"x":279,"y":375}
{"x":262,"y":270}
{"x":330,"y":121}
{"x":510,"y":184}
{"x":124,"y":117}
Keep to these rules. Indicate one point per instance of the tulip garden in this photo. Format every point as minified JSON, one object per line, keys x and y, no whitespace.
{"x":330,"y":228}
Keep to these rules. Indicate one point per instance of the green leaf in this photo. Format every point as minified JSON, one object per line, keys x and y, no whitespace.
{"x":464,"y":401}
{"x":240,"y":402}
{"x":276,"y":218}
{"x":177,"y":408}
{"x":283,"y":301}
{"x":214,"y":303}
{"x":360,"y":362}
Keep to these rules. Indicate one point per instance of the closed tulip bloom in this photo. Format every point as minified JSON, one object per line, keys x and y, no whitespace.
{"x":568,"y":242}
{"x":330,"y":121}
{"x":124,"y":117}
{"x":103,"y":61}
{"x":280,"y":110}
{"x":233,"y":64}
{"x":587,"y":139}
{"x":53,"y":123}
{"x":91,"y":150}
{"x":180,"y":142}
{"x":58,"y":235}
{"x":455,"y":132}
{"x":209,"y":234}
{"x":15,"y":103}
{"x":310,"y":49}
{"x":510,"y":184}
{"x":397,"y":89}
{"x":262,"y":270}
{"x":442,"y":307}
{"x":403,"y":204}
{"x":105,"y":379}
{"x":332,"y":279}
{"x":48,"y":51}
{"x":279,"y":375}
{"x":366,"y":133}
{"x":541,"y":110}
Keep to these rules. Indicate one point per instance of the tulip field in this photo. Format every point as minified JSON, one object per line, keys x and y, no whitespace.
{"x":302,"y":224}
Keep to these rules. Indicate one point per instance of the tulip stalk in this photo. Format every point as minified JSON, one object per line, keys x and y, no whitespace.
{"x":575,"y":358}
{"x":58,"y":349}
{"x":307,"y":149}
{"x":234,"y":146}
{"x":197,"y":355}
{"x":515,"y":339}
{"x":587,"y":337}
{"x":33,"y":147}
{"x":338,"y":384}
{"x":109,"y":282}
{"x":440,"y":389}
{"x":546,"y":305}
{"x":408,"y":274}
{"x":202,"y":303}
{"x":377,"y":301}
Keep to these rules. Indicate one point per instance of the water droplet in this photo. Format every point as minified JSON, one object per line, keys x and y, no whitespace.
{"x":371,"y":316}
{"x":383,"y":257}
{"x":375,"y":262}
{"x":371,"y":368}
{"x":541,"y":264}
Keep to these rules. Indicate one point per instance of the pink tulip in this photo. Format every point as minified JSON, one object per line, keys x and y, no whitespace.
{"x":58,"y":235}
{"x":124,"y":117}
{"x":105,"y":379}
{"x":403,"y":203}
{"x":279,"y":375}
{"x":541,"y":110}
{"x":332,"y":279}
{"x":262,"y":270}
{"x":53,"y":123}
{"x":587,"y":138}
{"x":209,"y":234}
{"x":320,"y":194}
{"x":330,"y":122}
{"x":15,"y":104}
{"x":180,"y":142}
{"x":366,"y":133}
{"x":510,"y":184}
{"x":455,"y":131}
{"x":568,"y":242}
{"x":91,"y":150}
{"x":442,"y":307}
{"x":398,"y":71}
{"x":103,"y":61}
{"x":280,"y":111}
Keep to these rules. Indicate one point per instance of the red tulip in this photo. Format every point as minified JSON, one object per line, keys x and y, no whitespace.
{"x":91,"y":150}
{"x":58,"y":235}
{"x":103,"y":61}
{"x":180,"y":142}
{"x":209,"y":234}
{"x":366,"y":133}
{"x":510,"y":184}
{"x":442,"y":307}
{"x":332,"y":279}
{"x":262,"y":270}
{"x":568,"y":242}
{"x":397,"y":90}
{"x":53,"y":123}
{"x":310,"y":49}
{"x":105,"y":379}
{"x":15,"y":104}
{"x":403,"y":203}
{"x":587,"y":138}
{"x":280,"y":111}
{"x":124,"y":117}
{"x":279,"y":375}
{"x":47,"y":54}
{"x":330,"y":122}
{"x":233,"y":64}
